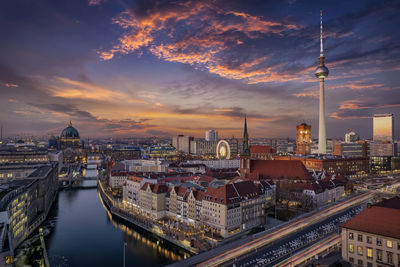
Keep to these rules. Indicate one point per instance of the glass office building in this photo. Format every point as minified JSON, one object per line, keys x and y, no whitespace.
{"x":383,"y":127}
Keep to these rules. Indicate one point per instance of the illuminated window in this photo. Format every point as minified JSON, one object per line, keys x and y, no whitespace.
{"x":389,"y":243}
{"x":351,"y":248}
{"x":369,"y":253}
{"x":359,"y":250}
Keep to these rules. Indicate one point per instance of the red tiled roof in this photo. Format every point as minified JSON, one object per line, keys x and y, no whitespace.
{"x":144,"y":186}
{"x":180,"y":191}
{"x":155,"y":188}
{"x":206,"y":178}
{"x":280,"y":169}
{"x":392,"y":203}
{"x":135,"y":179}
{"x":223,"y":195}
{"x":198,"y":195}
{"x":261,"y":149}
{"x":231,"y":193}
{"x":159,"y":188}
{"x":377,"y":220}
{"x":247,"y":189}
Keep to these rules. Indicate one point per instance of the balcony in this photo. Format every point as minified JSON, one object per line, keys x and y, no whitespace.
{"x":384,"y":263}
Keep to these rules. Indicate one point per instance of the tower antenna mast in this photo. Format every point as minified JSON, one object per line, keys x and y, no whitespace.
{"x":321,"y":38}
{"x":321,"y":73}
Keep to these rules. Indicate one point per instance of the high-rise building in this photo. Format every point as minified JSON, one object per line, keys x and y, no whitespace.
{"x":211,"y":135}
{"x":321,"y":73}
{"x":383,"y":127}
{"x":184,"y":143}
{"x":351,"y":137}
{"x":303,"y":144}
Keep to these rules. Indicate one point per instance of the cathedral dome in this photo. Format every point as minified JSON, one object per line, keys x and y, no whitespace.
{"x":70,"y":132}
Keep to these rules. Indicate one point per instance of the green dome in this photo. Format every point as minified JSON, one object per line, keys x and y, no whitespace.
{"x":70,"y":132}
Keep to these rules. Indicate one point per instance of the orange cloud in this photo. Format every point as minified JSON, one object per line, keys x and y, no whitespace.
{"x":72,"y":89}
{"x":337,"y":115}
{"x":223,"y":110}
{"x":313,"y":94}
{"x":206,"y":48}
{"x":351,"y":104}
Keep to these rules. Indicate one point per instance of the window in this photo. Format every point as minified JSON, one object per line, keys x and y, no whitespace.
{"x":359,"y":238}
{"x":359,"y":250}
{"x":378,"y":242}
{"x":351,"y":236}
{"x":369,"y":253}
{"x":351,"y":248}
{"x":389,"y":243}
{"x":369,"y":264}
{"x":379,"y":255}
{"x":351,"y":259}
{"x":390,"y":257}
{"x":398,"y":246}
{"x":360,"y":262}
{"x":369,"y":240}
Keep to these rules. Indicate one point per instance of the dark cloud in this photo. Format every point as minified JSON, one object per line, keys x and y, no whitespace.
{"x":124,"y":126}
{"x":67,"y":109}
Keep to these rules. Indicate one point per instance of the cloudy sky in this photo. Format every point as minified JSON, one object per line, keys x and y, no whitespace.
{"x":140,"y":68}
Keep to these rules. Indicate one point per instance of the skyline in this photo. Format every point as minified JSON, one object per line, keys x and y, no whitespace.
{"x":126,"y":69}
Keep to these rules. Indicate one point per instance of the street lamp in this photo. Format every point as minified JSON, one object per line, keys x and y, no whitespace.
{"x":124,"y":254}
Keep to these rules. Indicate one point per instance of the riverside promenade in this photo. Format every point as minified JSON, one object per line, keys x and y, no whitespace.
{"x":115,"y":208}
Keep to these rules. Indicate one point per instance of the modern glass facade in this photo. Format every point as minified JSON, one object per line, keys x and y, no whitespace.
{"x":383,"y":127}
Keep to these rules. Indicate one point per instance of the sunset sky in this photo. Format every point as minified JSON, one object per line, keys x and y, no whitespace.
{"x":120,"y":68}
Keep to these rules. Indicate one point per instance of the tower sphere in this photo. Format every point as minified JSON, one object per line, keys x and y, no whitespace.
{"x":321,"y":72}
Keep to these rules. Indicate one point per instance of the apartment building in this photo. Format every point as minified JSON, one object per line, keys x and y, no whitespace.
{"x":372,"y":238}
{"x":152,"y":200}
{"x":131,"y":189}
{"x":236,"y":207}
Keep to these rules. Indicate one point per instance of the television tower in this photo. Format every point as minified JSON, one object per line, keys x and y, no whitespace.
{"x":321,"y":73}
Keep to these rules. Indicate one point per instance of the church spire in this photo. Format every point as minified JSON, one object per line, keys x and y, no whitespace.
{"x":245,"y":146}
{"x":70,"y":123}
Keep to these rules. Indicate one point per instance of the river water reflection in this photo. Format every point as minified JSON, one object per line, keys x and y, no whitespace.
{"x":84,"y":234}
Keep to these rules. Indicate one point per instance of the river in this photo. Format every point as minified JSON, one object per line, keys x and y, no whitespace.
{"x":80,"y":231}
